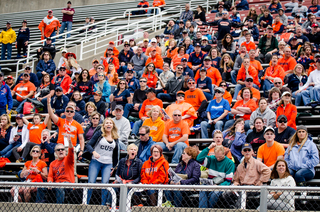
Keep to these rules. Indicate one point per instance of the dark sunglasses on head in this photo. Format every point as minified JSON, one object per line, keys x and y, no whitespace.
{"x":69,"y":111}
{"x":58,"y":150}
{"x":36,"y":151}
{"x":247,"y":150}
{"x":176,"y":115}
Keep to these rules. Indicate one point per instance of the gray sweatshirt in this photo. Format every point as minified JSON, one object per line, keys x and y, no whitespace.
{"x":124,"y":129}
{"x":139,"y":62}
{"x":268,"y":116}
{"x":238,"y":62}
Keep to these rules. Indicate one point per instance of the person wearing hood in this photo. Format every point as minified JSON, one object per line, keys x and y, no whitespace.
{"x":155,"y":171}
{"x":255,"y":137}
{"x":155,"y":123}
{"x":145,"y":143}
{"x":302,"y":156}
{"x":263,"y":111}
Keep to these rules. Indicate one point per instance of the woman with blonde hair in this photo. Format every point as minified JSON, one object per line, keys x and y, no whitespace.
{"x":71,"y":65}
{"x":112,"y":74}
{"x":226,"y":66}
{"x":151,"y":74}
{"x":155,"y":123}
{"x":5,"y":127}
{"x":77,"y":98}
{"x":104,"y":147}
{"x":297,"y":80}
{"x":288,"y":109}
{"x":172,"y":49}
{"x":302,"y":156}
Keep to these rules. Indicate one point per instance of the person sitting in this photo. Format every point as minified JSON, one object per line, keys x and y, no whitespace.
{"x":145,"y":143}
{"x":92,"y":127}
{"x":45,"y":66}
{"x":47,"y":47}
{"x":98,"y":102}
{"x":225,"y":67}
{"x":250,"y":172}
{"x":280,"y":177}
{"x":62,"y":79}
{"x":175,"y":137}
{"x":123,"y":127}
{"x":227,"y":46}
{"x":220,"y":167}
{"x":176,"y":59}
{"x":90,"y":108}
{"x":188,"y":112}
{"x":277,"y":82}
{"x":121,"y":96}
{"x":296,"y":81}
{"x":264,"y":52}
{"x":195,"y":97}
{"x":155,"y":171}
{"x":103,"y":86}
{"x":255,"y":92}
{"x":33,"y":77}
{"x":266,"y":20}
{"x":155,"y":123}
{"x":263,"y":111}
{"x":288,"y":109}
{"x":58,"y":102}
{"x":271,"y":151}
{"x":283,"y":132}
{"x":62,"y":169}
{"x":302,"y":156}
{"x":151,"y":74}
{"x":189,"y":167}
{"x":5,"y":127}
{"x":255,"y":137}
{"x":165,"y":76}
{"x":217,"y":113}
{"x":45,"y":90}
{"x":132,"y":82}
{"x":217,"y":141}
{"x":204,"y":83}
{"x":34,"y":170}
{"x":80,"y":104}
{"x":242,"y":5}
{"x":227,"y":96}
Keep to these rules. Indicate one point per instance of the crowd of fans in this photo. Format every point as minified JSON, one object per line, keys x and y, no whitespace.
{"x":122,"y":97}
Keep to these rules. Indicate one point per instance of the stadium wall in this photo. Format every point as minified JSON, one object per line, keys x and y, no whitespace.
{"x":10,"y":6}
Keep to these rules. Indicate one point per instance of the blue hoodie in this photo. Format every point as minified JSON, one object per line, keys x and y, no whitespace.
{"x":5,"y":97}
{"x":306,"y":158}
{"x":144,"y":152}
{"x":239,"y":140}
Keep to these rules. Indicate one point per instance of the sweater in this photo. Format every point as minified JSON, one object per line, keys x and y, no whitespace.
{"x":224,"y":168}
{"x":139,"y":96}
{"x":269,"y":117}
{"x":156,"y":128}
{"x":139,"y":61}
{"x":131,"y":172}
{"x":124,"y":129}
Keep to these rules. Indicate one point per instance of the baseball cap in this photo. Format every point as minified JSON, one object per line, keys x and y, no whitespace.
{"x":180,"y":92}
{"x":26,"y":74}
{"x":285,"y":93}
{"x":151,"y":90}
{"x":197,"y":45}
{"x":19,"y":116}
{"x":157,"y":36}
{"x":8,"y":22}
{"x":64,"y":51}
{"x":27,"y":67}
{"x":207,"y":58}
{"x":110,"y":48}
{"x":153,"y":49}
{"x":146,"y":40}
{"x":249,"y":77}
{"x":49,"y":38}
{"x":9,"y":77}
{"x":204,"y":38}
{"x":95,"y":60}
{"x":282,"y":117}
{"x":268,"y":129}
{"x":92,"y":18}
{"x":269,"y":27}
{"x":246,"y":146}
{"x":185,"y":31}
{"x":184,"y":59}
{"x":97,"y":93}
{"x":171,"y":33}
{"x":70,"y":106}
{"x":153,"y":40}
{"x":191,"y":80}
{"x":118,"y":107}
{"x":62,"y":67}
{"x":317,"y":55}
{"x":111,"y":42}
{"x":314,"y":25}
{"x":181,"y":22}
{"x":219,"y":89}
{"x":58,"y":88}
{"x":244,"y":29}
{"x":281,"y":9}
{"x":49,"y":11}
{"x":294,"y":38}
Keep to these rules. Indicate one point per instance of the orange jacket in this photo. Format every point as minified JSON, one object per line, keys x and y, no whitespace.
{"x":115,"y":52}
{"x":213,"y":73}
{"x":312,"y":67}
{"x":290,"y":111}
{"x":115,"y":62}
{"x":249,"y":46}
{"x":277,"y":72}
{"x":155,"y":172}
{"x":66,"y":82}
{"x":152,"y":79}
{"x":172,"y":53}
{"x":49,"y":25}
{"x":148,"y":50}
{"x":157,"y":61}
{"x":147,"y":105}
{"x":252,"y":72}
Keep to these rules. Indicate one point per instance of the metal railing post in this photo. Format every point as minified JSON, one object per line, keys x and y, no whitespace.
{"x":207,"y":6}
{"x":65,"y":41}
{"x":16,"y":194}
{"x":123,"y":198}
{"x":85,"y":196}
{"x":160,"y":196}
{"x":95,"y":46}
{"x":81,"y":49}
{"x":263,"y":199}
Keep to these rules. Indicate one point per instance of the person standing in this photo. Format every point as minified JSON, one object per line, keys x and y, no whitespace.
{"x":23,"y":39}
{"x":5,"y":97}
{"x":67,"y":18}
{"x":7,"y":37}
{"x":49,"y":26}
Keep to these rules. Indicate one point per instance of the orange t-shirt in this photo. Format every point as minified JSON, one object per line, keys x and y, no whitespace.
{"x":40,"y":165}
{"x":227,"y":152}
{"x":158,"y":50}
{"x":62,"y":170}
{"x":249,"y":46}
{"x":195,"y":98}
{"x":252,"y":72}
{"x":35,"y":132}
{"x":157,"y":3}
{"x":255,"y":93}
{"x":288,"y":64}
{"x":172,"y":53}
{"x":269,"y":155}
{"x":214,"y":75}
{"x":176,"y":60}
{"x":147,"y":105}
{"x":176,"y":131}
{"x":65,"y":128}
{"x":250,"y":104}
{"x":256,"y":64}
{"x":24,"y":89}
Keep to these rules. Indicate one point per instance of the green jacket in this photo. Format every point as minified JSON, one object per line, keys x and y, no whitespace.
{"x":262,"y":44}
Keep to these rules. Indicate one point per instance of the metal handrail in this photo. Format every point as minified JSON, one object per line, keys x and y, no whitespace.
{"x":23,"y":60}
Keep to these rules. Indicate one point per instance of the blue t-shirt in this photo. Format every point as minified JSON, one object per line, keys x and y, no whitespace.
{"x":122,"y":98}
{"x":205,"y":84}
{"x":216,"y":62}
{"x":217,"y":109}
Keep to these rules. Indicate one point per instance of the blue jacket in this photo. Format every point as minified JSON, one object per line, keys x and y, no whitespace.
{"x":48,"y":67}
{"x":236,"y":145}
{"x":59,"y":103}
{"x":7,"y":137}
{"x":196,"y":60}
{"x":243,"y":5}
{"x":81,"y":105}
{"x":144,"y":152}
{"x":293,"y":82}
{"x":192,"y":170}
{"x":50,"y":151}
{"x":254,"y":32}
{"x":33,"y":78}
{"x":133,"y":85}
{"x":105,"y":92}
{"x":5,"y":97}
{"x":190,"y":49}
{"x":268,"y":20}
{"x":125,"y":58}
{"x":306,"y":158}
{"x":275,"y":8}
{"x":132,"y":172}
{"x":168,"y":31}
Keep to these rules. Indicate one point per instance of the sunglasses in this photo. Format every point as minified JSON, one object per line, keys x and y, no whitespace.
{"x":191,"y":83}
{"x":27,"y":69}
{"x":223,"y":85}
{"x":100,"y":68}
{"x":249,"y":80}
{"x":141,"y":134}
{"x":143,"y":81}
{"x":95,"y":118}
{"x":62,"y":70}
{"x":46,"y":54}
{"x":228,"y":37}
{"x":36,"y":151}
{"x":58,"y":90}
{"x":122,"y":83}
{"x":247,"y":150}
{"x":69,"y":111}
{"x":26,"y":75}
{"x":100,"y":75}
{"x":176,"y":115}
{"x":282,"y":121}
{"x":180,"y":94}
{"x":151,"y":66}
{"x":96,"y":62}
{"x":58,"y":150}
{"x":277,"y":83}
{"x":179,"y":68}
{"x":217,"y":91}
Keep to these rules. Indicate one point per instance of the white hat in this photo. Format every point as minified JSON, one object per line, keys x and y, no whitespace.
{"x":153,"y":40}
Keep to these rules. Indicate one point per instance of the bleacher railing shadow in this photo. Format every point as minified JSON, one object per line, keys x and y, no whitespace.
{"x":87,"y":197}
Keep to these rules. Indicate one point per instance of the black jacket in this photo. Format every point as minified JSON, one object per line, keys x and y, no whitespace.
{"x":132,"y":172}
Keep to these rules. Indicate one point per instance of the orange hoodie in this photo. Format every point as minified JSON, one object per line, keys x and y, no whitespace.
{"x":214,"y":75}
{"x":115,"y":62}
{"x":115,"y":52}
{"x":156,"y":128}
{"x":290,"y":111}
{"x":252,"y":72}
{"x":157,"y":61}
{"x":276,"y":71}
{"x":185,"y":108}
{"x":155,"y":172}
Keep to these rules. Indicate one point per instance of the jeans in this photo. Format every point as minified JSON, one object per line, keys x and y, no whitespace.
{"x":6,"y":48}
{"x":208,"y":199}
{"x":175,"y":197}
{"x":231,"y":121}
{"x":307,"y":95}
{"x":65,"y":24}
{"x":301,"y":175}
{"x":204,"y":127}
{"x":239,"y":87}
{"x":128,"y":108}
{"x":166,"y":97}
{"x":316,"y":93}
{"x":52,"y":34}
{"x":136,"y":126}
{"x":178,"y":149}
{"x":94,"y":168}
{"x":3,"y":111}
{"x":298,"y":98}
{"x":19,"y":105}
{"x":6,"y":152}
{"x":234,"y":74}
{"x":60,"y":194}
{"x":267,"y":85}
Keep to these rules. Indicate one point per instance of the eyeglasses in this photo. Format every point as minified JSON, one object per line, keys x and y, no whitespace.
{"x":223,"y":85}
{"x":58,"y":90}
{"x":141,"y":134}
{"x":247,"y":150}
{"x":277,"y":83}
{"x":191,"y":83}
{"x":46,"y":54}
{"x":100,"y":68}
{"x":96,"y":118}
{"x":179,"y":68}
{"x":282,"y":121}
{"x":143,"y":81}
{"x":69,"y":111}
{"x":100,"y":75}
{"x":36,"y":151}
{"x":228,"y":37}
{"x":122,"y":83}
{"x":58,"y":150}
{"x":151,"y":66}
{"x":176,"y":115}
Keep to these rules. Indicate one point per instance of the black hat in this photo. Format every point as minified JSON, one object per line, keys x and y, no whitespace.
{"x":69,"y":2}
{"x":151,"y":90}
{"x":185,"y":31}
{"x":49,"y":38}
{"x":282,"y":117}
